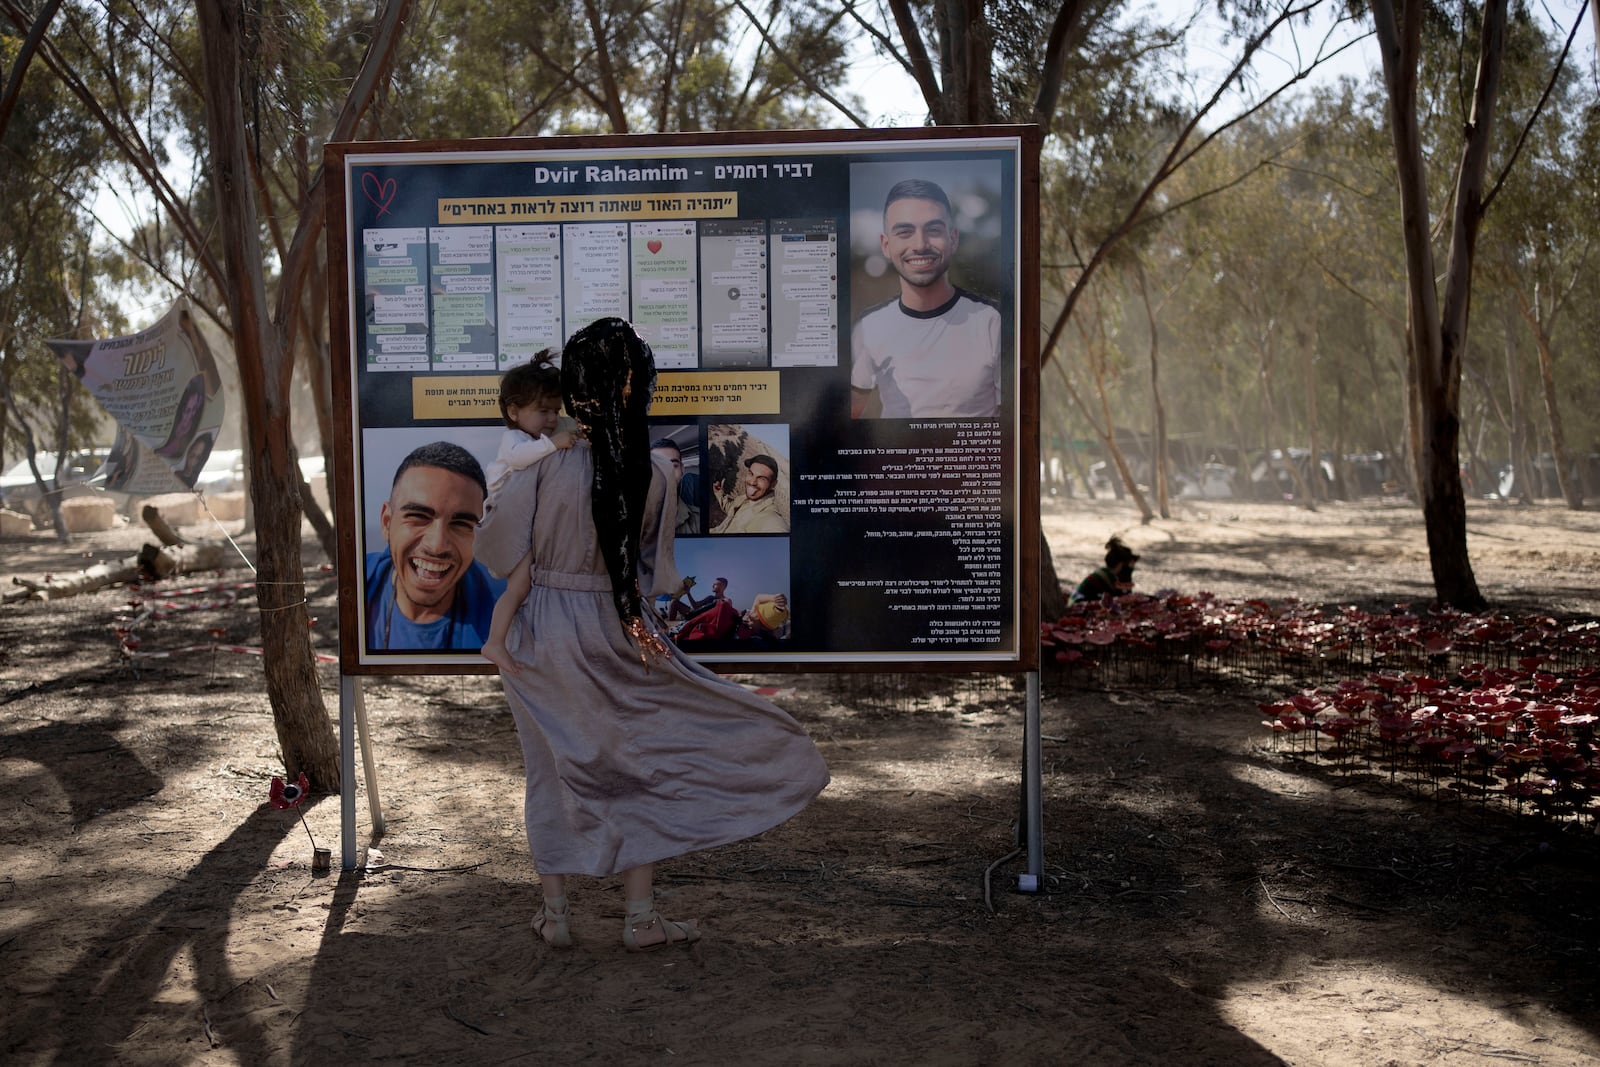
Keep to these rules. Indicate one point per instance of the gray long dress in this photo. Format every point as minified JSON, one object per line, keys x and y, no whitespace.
{"x":625,"y":764}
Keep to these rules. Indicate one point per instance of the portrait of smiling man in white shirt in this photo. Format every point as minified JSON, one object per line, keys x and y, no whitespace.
{"x":934,"y":350}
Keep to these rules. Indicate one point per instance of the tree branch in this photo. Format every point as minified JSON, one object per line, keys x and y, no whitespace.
{"x":375,"y":67}
{"x":921,"y":67}
{"x":1055,"y":62}
{"x":1527,"y":128}
{"x":608,"y":78}
{"x":1175,"y":159}
{"x":804,"y":78}
{"x":30,"y":45}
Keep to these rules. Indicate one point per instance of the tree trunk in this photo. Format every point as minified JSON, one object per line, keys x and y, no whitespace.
{"x":315,"y":515}
{"x":304,"y":732}
{"x":1108,"y":438}
{"x":1158,"y":412}
{"x":1314,"y":469}
{"x":1567,"y":474}
{"x":1414,"y":415}
{"x":1052,"y":598}
{"x":1438,"y":335}
{"x":1124,"y":473}
{"x":319,"y":384}
{"x":1342,"y":482}
{"x":1517,"y":431}
{"x":1398,"y":442}
{"x":1478,"y":473}
{"x":610,"y":93}
{"x":1095,"y":347}
{"x":49,"y":500}
{"x":1079,"y":468}
{"x":1444,"y":513}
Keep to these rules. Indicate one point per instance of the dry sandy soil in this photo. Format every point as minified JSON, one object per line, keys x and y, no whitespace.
{"x":1208,"y":900}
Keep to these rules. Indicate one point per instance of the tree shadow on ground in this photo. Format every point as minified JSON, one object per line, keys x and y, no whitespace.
{"x":124,"y":969}
{"x":88,"y":762}
{"x":1216,"y":849}
{"x":794,"y":969}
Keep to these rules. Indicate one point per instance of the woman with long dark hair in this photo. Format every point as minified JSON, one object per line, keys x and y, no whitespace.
{"x":633,"y":753}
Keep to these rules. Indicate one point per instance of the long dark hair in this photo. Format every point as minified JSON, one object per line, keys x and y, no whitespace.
{"x":607,"y":375}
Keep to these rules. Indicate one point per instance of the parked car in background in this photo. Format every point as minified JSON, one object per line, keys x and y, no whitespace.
{"x":1270,"y":475}
{"x":223,"y":472}
{"x":20,"y":492}
{"x":1542,"y":479}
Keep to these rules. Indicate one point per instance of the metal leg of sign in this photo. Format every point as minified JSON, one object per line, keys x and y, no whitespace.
{"x":1032,"y":793}
{"x":349,"y":693}
{"x":353,"y":728}
{"x":368,"y":764}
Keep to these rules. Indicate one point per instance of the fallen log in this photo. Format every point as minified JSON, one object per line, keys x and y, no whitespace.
{"x":153,"y":562}
{"x":159,"y":526}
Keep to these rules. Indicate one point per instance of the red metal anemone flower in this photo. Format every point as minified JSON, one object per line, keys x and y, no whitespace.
{"x":283,"y":797}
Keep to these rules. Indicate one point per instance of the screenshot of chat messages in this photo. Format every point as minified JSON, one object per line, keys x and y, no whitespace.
{"x":594,"y":271}
{"x":733,"y":293}
{"x":461,"y":262}
{"x":805,"y":293}
{"x":666,"y":307}
{"x":396,"y":296}
{"x":528,"y":291}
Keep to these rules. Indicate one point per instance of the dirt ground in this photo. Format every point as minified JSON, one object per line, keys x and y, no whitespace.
{"x":1208,"y":900}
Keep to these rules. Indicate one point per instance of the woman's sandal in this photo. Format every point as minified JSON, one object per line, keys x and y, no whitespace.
{"x":647,"y":932}
{"x":552,"y":927}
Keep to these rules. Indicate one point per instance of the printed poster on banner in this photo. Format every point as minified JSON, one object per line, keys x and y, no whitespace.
{"x":845,"y":330}
{"x":162,"y":387}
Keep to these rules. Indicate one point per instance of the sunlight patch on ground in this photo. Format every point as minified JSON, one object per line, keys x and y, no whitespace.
{"x":850,"y":777}
{"x":1280,"y":782}
{"x":1364,"y":1016}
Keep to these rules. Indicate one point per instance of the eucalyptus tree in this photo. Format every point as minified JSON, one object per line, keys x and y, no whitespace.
{"x":1438,"y":314}
{"x":249,"y":101}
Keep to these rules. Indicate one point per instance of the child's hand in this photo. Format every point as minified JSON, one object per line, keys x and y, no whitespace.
{"x":563,"y":438}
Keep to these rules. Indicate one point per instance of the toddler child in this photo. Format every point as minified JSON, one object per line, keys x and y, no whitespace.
{"x":530,"y":403}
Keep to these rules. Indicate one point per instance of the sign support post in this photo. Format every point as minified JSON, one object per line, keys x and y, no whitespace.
{"x":349,"y":686}
{"x":1032,"y":792}
{"x":353,"y":728}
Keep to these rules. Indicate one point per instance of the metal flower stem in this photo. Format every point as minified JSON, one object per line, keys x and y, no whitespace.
{"x":302,"y":815}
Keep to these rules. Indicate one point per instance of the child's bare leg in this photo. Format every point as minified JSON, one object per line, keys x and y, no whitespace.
{"x":518,"y":582}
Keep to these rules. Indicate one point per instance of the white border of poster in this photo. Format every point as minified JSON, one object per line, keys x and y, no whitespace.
{"x":857,"y":437}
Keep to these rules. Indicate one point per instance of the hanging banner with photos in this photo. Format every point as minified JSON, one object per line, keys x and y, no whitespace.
{"x":845,"y":329}
{"x":162,"y":387}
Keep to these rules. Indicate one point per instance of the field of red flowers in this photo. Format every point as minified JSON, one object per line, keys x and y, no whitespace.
{"x":1493,"y":706}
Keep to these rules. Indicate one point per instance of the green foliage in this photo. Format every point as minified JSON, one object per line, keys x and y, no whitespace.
{"x":478,"y":68}
{"x":50,"y":277}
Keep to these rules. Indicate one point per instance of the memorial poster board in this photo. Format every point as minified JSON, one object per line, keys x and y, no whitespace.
{"x":845,"y":328}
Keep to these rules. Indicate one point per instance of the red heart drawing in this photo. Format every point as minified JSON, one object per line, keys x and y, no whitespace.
{"x":653,"y":246}
{"x":380,"y":193}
